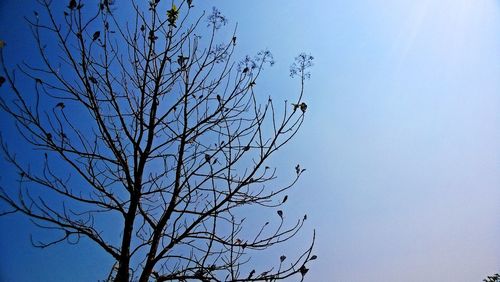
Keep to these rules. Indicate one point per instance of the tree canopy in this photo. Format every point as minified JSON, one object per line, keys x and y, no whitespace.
{"x":150,"y":123}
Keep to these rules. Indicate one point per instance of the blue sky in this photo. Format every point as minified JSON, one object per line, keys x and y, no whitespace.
{"x":401,"y":141}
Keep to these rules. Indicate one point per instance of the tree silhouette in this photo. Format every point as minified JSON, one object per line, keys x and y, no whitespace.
{"x":149,"y":125}
{"x":492,"y":278}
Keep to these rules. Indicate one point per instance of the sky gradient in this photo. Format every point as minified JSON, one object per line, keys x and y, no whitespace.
{"x":401,"y":141}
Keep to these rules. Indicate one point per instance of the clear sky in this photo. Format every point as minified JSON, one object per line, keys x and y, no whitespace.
{"x":401,"y":141}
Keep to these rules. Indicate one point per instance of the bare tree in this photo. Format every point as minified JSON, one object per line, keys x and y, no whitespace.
{"x":151,"y":125}
{"x":492,"y":278}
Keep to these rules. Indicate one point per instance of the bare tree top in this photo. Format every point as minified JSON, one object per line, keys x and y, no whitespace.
{"x":157,"y":126}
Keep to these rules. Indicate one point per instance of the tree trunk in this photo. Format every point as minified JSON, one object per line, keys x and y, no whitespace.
{"x":124,"y":263}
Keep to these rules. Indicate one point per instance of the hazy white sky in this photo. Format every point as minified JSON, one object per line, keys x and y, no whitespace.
{"x":402,"y":144}
{"x":402,"y":139}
